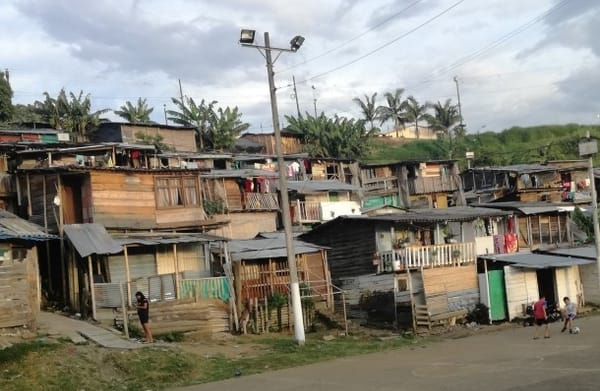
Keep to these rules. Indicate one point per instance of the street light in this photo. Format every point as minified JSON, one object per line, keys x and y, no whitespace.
{"x":247,"y":39}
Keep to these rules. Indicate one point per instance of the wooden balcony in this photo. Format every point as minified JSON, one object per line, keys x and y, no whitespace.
{"x":262,"y":201}
{"x":306,"y":212}
{"x":431,"y":185}
{"x":439,"y":255}
{"x":383,"y":185}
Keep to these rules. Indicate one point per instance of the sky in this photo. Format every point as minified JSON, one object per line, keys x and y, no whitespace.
{"x":513,"y":62}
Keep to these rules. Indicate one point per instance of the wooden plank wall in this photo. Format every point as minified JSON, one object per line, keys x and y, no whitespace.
{"x":208,"y":316}
{"x":352,"y":245}
{"x":449,"y":279}
{"x":19,"y":303}
{"x":128,"y":200}
{"x":123,"y":199}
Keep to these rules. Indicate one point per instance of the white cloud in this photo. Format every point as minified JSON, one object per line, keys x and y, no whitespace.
{"x":119,"y":50}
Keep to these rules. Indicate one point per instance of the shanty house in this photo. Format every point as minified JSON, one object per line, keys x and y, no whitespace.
{"x":390,"y":264}
{"x":19,"y":271}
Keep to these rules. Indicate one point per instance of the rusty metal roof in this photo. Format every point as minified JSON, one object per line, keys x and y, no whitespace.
{"x":14,"y":227}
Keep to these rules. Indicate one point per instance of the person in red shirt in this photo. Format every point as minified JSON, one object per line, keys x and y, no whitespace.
{"x":541,"y":318}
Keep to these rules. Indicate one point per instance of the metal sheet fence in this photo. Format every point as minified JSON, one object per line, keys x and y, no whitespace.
{"x":209,"y":288}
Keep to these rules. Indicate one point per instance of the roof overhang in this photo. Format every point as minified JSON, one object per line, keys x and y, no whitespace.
{"x":536,"y":261}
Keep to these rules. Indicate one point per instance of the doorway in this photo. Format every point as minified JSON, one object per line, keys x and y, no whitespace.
{"x":546,"y":284}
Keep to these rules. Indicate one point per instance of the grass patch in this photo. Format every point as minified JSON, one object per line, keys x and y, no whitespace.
{"x":280,"y":353}
{"x":62,"y":366}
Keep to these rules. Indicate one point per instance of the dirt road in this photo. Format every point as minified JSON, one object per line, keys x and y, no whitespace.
{"x":504,"y":360}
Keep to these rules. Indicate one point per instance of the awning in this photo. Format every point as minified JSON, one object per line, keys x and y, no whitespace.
{"x":536,"y":261}
{"x":91,"y":239}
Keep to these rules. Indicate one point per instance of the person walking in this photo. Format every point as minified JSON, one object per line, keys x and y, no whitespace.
{"x":569,"y":314}
{"x":143,"y":310}
{"x":541,"y":317}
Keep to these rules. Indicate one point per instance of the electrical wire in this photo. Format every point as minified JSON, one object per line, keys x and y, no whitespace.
{"x":393,"y":16}
{"x":388,"y":43}
{"x":485,"y":50}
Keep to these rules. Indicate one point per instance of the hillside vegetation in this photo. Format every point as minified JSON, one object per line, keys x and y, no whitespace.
{"x":511,"y":146}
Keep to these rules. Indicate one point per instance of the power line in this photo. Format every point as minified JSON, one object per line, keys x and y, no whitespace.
{"x":483,"y":51}
{"x":428,"y":21}
{"x":393,"y":16}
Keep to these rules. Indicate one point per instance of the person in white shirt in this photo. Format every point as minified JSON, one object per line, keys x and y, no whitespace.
{"x":569,"y":314}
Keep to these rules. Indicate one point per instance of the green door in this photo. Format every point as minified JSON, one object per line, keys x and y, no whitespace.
{"x":497,"y":294}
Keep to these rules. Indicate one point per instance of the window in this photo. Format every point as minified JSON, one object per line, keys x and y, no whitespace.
{"x":173,"y":192}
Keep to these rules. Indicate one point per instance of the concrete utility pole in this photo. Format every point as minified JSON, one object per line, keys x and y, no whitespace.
{"x":589,"y":148}
{"x":296,"y":96}
{"x":285,"y":203}
{"x":461,"y":124}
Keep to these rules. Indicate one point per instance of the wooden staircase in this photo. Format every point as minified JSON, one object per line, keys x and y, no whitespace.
{"x":422,"y":323}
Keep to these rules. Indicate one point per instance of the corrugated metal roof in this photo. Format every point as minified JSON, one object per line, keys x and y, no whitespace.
{"x":153,"y":239}
{"x":91,"y":239}
{"x":276,"y":235}
{"x":529,"y":208}
{"x":307,"y":187}
{"x":519,"y":168}
{"x":267,"y":248}
{"x":432,"y":215}
{"x":582,"y":252}
{"x":14,"y":227}
{"x":537,"y":261}
{"x":240,"y":173}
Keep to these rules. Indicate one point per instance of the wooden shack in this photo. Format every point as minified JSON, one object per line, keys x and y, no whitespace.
{"x":19,"y":271}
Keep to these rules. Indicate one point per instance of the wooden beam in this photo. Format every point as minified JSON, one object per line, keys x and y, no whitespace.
{"x":127,"y":275}
{"x":29,"y":206}
{"x":176,"y":262}
{"x":92,"y":293}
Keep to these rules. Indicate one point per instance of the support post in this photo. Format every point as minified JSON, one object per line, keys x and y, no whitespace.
{"x":92,"y":293}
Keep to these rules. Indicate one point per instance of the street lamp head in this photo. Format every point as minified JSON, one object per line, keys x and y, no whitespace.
{"x":247,"y":36}
{"x":296,"y":42}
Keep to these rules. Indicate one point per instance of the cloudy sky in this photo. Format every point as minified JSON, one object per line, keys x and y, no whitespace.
{"x":516,"y":62}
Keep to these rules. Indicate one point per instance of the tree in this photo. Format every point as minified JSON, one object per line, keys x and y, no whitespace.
{"x":6,"y":93}
{"x":368,"y":109}
{"x":73,"y":113}
{"x":199,"y":116}
{"x":415,"y":112}
{"x":25,"y":114}
{"x":394,"y":111}
{"x":336,"y":137}
{"x":445,"y":117}
{"x":135,"y":114}
{"x":225,"y":127}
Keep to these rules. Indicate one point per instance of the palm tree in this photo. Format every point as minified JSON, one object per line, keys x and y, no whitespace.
{"x":199,"y":116}
{"x":135,"y":114}
{"x":445,"y":117}
{"x":415,"y":112}
{"x":226,"y":127}
{"x":394,"y":110}
{"x":368,"y":109}
{"x":73,"y":113}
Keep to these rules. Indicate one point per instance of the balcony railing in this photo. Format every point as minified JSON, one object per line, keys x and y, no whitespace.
{"x":431,"y":185}
{"x":454,"y":254}
{"x":262,"y":201}
{"x":374,"y":185}
{"x":306,"y":212}
{"x":315,"y":211}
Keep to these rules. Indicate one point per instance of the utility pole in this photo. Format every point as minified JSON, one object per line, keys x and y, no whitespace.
{"x":285,"y":203}
{"x":180,"y":92}
{"x":165,"y":111}
{"x":296,"y":96}
{"x":314,"y":100}
{"x":461,"y":124}
{"x":588,"y":148}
